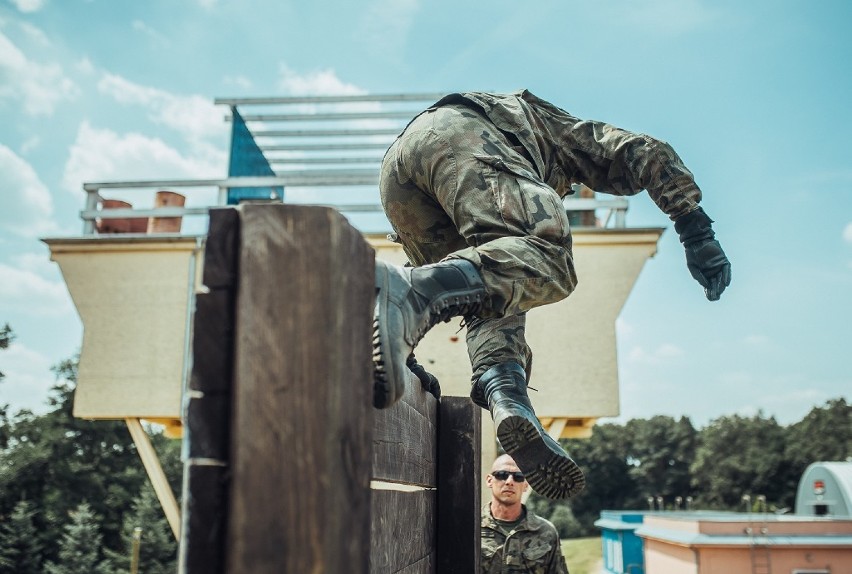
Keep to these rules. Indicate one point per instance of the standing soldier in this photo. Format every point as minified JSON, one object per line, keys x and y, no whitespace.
{"x":473,"y":188}
{"x":514,"y":540}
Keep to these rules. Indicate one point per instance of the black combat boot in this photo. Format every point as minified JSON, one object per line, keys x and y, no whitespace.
{"x":409,"y":302}
{"x":550,"y":471}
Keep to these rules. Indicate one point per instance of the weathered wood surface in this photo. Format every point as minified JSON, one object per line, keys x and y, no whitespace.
{"x":436,"y":528}
{"x":459,"y":453}
{"x":204,"y":512}
{"x":405,"y":441}
{"x":283,"y":441}
{"x":403,"y":531}
{"x":300,"y":490}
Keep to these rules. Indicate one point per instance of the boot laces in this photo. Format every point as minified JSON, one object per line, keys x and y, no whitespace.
{"x":445,"y":310}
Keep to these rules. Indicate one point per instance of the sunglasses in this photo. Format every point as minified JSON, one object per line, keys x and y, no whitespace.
{"x":502,"y":475}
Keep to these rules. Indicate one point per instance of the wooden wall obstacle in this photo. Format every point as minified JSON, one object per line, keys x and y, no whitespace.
{"x":288,"y":467}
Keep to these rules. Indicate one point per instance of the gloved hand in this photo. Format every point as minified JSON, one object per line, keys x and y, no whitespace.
{"x":704,"y":256}
{"x":428,"y":381}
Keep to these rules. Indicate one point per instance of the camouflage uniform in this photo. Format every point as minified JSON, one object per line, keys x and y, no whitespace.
{"x":531,"y":547}
{"x":481,"y":177}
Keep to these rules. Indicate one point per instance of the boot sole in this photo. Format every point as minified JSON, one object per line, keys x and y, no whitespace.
{"x":550,"y":472}
{"x":385,"y":391}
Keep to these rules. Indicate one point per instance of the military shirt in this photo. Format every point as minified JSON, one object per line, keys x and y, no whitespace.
{"x":531,"y":547}
{"x":564,"y":150}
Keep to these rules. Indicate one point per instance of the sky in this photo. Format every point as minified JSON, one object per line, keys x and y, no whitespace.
{"x":754,"y":96}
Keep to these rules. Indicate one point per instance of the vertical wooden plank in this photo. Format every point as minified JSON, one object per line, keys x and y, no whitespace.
{"x":221,"y":249}
{"x":459,"y":461}
{"x":300,"y":488}
{"x":207,"y":433}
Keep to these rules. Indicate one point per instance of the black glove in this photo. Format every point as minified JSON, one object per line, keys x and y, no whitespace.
{"x":427,"y":380}
{"x":704,"y":256}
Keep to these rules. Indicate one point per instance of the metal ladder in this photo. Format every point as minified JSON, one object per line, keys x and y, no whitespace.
{"x":759,"y":547}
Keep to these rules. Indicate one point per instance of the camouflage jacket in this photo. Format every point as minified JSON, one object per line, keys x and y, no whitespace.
{"x":563,"y":150}
{"x":531,"y":547}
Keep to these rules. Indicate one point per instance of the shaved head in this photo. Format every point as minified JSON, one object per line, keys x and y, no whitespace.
{"x":504,"y":462}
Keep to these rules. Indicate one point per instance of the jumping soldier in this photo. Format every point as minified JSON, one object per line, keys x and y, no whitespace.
{"x":473,"y":188}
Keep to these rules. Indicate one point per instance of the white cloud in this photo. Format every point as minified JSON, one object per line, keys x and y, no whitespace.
{"x":623,"y":328}
{"x":27,"y":289}
{"x":35,"y":33}
{"x":798,"y":397}
{"x":194,"y":117}
{"x":207,"y":4}
{"x":737,"y":379}
{"x":157,"y":37}
{"x":26,"y":206}
{"x":38,"y":87}
{"x":317,"y":83}
{"x":35,"y":263}
{"x":28,"y":378}
{"x":103,"y":155}
{"x":30,"y":144}
{"x":756,"y":340}
{"x":847,"y":233}
{"x":787,"y":406}
{"x":386,"y":23}
{"x":326,"y":83}
{"x":28,"y":5}
{"x":662,"y":16}
{"x":85,"y":66}
{"x":662,"y":354}
{"x":239,"y":81}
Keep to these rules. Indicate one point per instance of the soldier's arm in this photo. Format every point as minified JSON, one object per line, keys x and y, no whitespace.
{"x":557,"y":560}
{"x":619,"y":162}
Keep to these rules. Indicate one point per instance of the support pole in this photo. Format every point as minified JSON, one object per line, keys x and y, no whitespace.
{"x":155,"y":474}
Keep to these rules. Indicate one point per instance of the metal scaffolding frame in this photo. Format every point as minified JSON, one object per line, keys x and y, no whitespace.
{"x":331,"y":143}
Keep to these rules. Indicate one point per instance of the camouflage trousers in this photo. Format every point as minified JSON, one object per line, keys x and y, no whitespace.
{"x":454,"y":186}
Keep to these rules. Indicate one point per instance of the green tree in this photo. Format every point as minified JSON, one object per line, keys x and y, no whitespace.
{"x":6,"y":337}
{"x":158,"y":547}
{"x":566,"y":524}
{"x":80,"y":547}
{"x":56,"y":461}
{"x":609,"y":485}
{"x":20,"y":550}
{"x":736,"y":456}
{"x":661,"y":451}
{"x":824,"y":434}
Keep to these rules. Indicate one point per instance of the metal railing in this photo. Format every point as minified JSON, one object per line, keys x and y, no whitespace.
{"x":613,"y":211}
{"x":331,"y":133}
{"x":314,"y":145}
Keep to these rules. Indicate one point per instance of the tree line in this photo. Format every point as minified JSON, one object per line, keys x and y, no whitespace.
{"x":74,"y":492}
{"x":666,"y":463}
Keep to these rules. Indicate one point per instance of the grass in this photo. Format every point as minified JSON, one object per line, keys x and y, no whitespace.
{"x":582,"y":554}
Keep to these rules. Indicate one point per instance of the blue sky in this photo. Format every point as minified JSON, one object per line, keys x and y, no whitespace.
{"x":755,"y":97}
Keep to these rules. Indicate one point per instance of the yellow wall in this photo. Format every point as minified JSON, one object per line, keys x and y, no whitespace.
{"x":132,"y":295}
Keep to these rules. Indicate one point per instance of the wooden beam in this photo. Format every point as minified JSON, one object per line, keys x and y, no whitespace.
{"x":155,"y":474}
{"x":299,"y":496}
{"x":459,"y":462}
{"x":208,"y":414}
{"x":555,"y":428}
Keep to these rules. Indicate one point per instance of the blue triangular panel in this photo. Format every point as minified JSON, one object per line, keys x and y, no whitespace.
{"x":248,"y":160}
